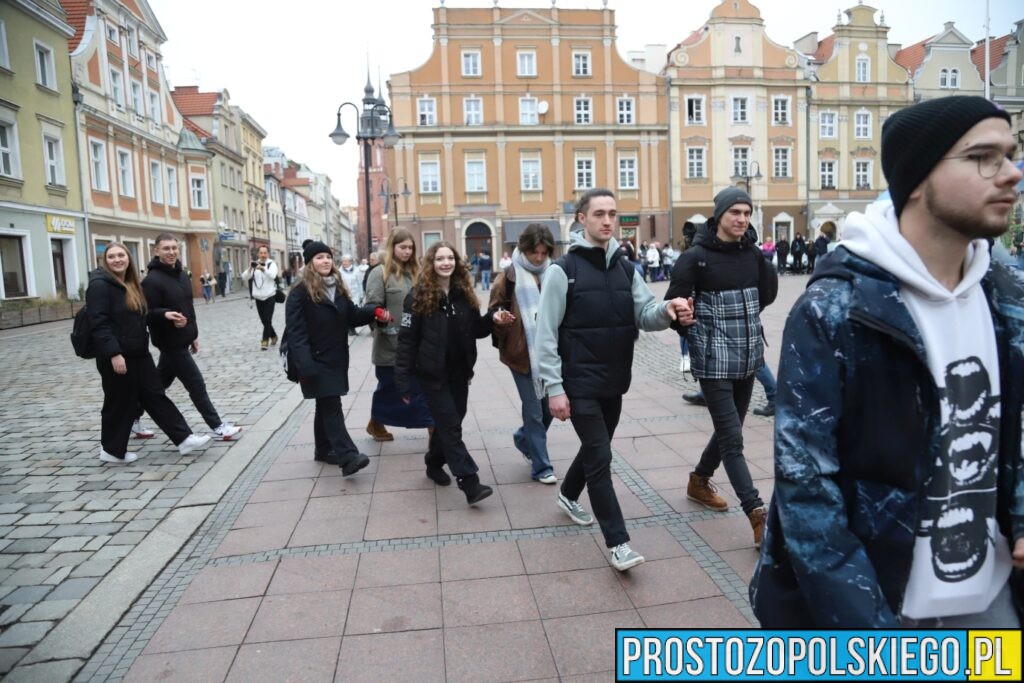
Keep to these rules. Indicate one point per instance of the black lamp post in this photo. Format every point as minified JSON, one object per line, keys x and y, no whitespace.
{"x":385,"y":193}
{"x":371,"y":127}
{"x":753,"y":173}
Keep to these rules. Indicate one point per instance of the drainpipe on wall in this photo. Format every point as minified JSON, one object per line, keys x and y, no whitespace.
{"x":668,"y":143}
{"x":77,"y":98}
{"x":807,"y":155}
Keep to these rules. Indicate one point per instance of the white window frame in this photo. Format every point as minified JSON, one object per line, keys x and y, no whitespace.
{"x":151,"y":60}
{"x":862,"y":69}
{"x":944,"y":78}
{"x":138,"y":98}
{"x":25,"y":241}
{"x":477,"y":118}
{"x":740,"y":114}
{"x":223,"y":174}
{"x":5,"y":57}
{"x":204,"y":192}
{"x":46,"y":73}
{"x":866,"y":174}
{"x":133,"y":41}
{"x":954,"y":79}
{"x":430,"y":175}
{"x":581,"y":64}
{"x":471,"y":61}
{"x":99,"y":165}
{"x":53,"y":166}
{"x":782,"y":162}
{"x":862,"y":125}
{"x":13,"y":149}
{"x":526,"y":63}
{"x":785,"y":110}
{"x":583,"y":110}
{"x":696,"y":162}
{"x":740,"y":161}
{"x":111,"y":32}
{"x":530,"y":179}
{"x":426,"y":111}
{"x":628,"y":167}
{"x":154,"y":106}
{"x":125,"y":174}
{"x":828,"y":169}
{"x":156,"y":182}
{"x":172,"y":185}
{"x":584,"y":166}
{"x":625,"y":109}
{"x":476,"y":173}
{"x":528,"y":115}
{"x":117,"y":87}
{"x":827,"y":130}
{"x":700,"y":117}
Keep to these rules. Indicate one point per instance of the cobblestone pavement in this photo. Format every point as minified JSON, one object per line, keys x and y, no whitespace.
{"x":380,"y":576}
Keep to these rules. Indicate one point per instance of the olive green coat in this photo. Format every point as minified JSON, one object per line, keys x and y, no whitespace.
{"x":391,"y":297}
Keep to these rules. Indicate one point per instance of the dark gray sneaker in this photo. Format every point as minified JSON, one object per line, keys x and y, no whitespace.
{"x":575,"y":511}
{"x":624,"y":557}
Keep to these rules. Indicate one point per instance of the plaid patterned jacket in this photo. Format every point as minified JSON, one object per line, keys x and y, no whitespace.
{"x":726,"y":341}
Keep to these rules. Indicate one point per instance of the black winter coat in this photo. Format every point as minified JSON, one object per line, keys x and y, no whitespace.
{"x":317,"y":338}
{"x":116,"y":330}
{"x":423,"y":342}
{"x":169,"y":288}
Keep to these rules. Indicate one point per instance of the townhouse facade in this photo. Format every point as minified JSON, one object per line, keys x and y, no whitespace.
{"x":274,"y":193}
{"x":43,"y":243}
{"x":941,"y":65}
{"x":256,"y":224}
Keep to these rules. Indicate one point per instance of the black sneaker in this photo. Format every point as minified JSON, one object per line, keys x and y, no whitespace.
{"x":696,"y":398}
{"x":330,"y":458}
{"x":768,"y":410}
{"x":356,"y":463}
{"x":474,"y":490}
{"x":438,"y":476}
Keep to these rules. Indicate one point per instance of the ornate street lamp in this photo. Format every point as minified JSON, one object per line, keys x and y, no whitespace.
{"x":386,"y":193}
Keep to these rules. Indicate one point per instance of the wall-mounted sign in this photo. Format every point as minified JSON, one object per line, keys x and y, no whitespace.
{"x":62,"y":225}
{"x":629,"y":220}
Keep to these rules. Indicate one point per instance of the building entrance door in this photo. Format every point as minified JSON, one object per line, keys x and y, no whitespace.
{"x":60,"y":279}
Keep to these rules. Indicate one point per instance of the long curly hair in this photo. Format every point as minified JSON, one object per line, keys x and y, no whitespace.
{"x":393,"y":266}
{"x":134,"y":298}
{"x":314,"y":283}
{"x":427,"y":294}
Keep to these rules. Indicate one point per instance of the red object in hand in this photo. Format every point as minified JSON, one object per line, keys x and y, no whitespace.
{"x":381,"y":314}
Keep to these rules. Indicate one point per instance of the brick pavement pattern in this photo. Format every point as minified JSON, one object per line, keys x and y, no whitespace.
{"x":299,"y":573}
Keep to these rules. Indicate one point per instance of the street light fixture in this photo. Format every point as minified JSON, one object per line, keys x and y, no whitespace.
{"x":370,"y":122}
{"x":385,"y":193}
{"x":753,"y":173}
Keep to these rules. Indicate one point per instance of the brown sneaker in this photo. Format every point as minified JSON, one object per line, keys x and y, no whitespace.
{"x":378,"y":431}
{"x":701,"y":490}
{"x":263,"y":345}
{"x":757,"y":518}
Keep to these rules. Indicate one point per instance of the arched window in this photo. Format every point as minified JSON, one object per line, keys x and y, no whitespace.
{"x":954,"y":78}
{"x":944,"y":78}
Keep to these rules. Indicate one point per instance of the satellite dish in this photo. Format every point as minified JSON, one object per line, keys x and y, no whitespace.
{"x":542,"y":107}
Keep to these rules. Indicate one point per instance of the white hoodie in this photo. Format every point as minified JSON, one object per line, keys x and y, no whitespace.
{"x":961,"y":561}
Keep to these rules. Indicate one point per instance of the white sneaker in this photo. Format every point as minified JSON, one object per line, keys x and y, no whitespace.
{"x":140,"y":432}
{"x":193,"y":442}
{"x":684,"y":363}
{"x":225,"y":431}
{"x":575,"y":511}
{"x":128,"y":457}
{"x":624,"y":557}
{"x":548,"y":479}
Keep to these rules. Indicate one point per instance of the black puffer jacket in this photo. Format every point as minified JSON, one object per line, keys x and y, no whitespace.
{"x":169,"y":288}
{"x":423,"y":341}
{"x":116,"y":330}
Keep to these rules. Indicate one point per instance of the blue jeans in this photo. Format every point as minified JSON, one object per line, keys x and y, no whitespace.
{"x":684,"y":347}
{"x":485,"y":279}
{"x":532,"y":438}
{"x":767,"y":380}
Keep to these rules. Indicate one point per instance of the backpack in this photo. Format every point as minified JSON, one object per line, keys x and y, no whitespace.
{"x":81,"y":334}
{"x":290,"y":371}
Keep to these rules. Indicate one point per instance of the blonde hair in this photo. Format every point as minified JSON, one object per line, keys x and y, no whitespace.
{"x":135,"y":300}
{"x":391,"y":265}
{"x":314,"y":283}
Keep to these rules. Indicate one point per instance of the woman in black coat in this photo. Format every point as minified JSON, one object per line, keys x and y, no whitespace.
{"x":117,"y":316}
{"x":441,"y":322}
{"x":318,"y":315}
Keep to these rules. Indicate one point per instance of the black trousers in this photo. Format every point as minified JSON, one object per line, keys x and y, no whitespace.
{"x":329,"y":432}
{"x":123,"y":394}
{"x":266,"y":311}
{"x":728,"y":401}
{"x":595,"y":420}
{"x":811,"y":258}
{"x":448,"y":408}
{"x":179,"y":364}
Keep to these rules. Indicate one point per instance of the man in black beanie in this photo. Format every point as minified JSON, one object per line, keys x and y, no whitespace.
{"x":899,"y":481}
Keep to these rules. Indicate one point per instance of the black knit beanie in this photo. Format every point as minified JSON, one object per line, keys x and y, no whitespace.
{"x":727,"y":198}
{"x":314,"y":248}
{"x":915,"y":139}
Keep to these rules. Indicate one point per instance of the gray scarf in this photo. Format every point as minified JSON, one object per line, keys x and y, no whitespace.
{"x":528,"y":298}
{"x":331,"y":285}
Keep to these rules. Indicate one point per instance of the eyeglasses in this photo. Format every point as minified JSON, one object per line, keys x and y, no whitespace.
{"x":989,"y":161}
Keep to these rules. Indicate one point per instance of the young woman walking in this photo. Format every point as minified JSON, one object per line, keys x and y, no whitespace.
{"x":441,"y":322}
{"x":517,"y":289}
{"x":117,"y":312}
{"x":387,"y":285}
{"x":318,"y":314}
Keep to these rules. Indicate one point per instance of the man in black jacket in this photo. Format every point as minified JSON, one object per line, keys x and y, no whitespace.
{"x":782,"y":253}
{"x":820,"y":249}
{"x":172,"y":323}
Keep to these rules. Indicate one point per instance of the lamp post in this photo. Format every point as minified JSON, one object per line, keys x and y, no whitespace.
{"x":753,"y":173}
{"x":386,"y":193}
{"x":370,"y":128}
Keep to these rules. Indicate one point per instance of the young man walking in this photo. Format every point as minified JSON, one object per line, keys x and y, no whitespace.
{"x":592,"y":304}
{"x":899,"y":482}
{"x":173,"y":328}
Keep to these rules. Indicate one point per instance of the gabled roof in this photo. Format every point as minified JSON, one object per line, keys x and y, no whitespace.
{"x":825,"y":48}
{"x":995,"y":50}
{"x":191,"y":102}
{"x":191,"y":125}
{"x":910,"y":58}
{"x":77,"y":11}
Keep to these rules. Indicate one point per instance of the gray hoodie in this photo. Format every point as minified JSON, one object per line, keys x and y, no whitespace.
{"x":651,"y":314}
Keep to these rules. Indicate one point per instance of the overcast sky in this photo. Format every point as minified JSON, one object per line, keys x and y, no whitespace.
{"x":291,"y":65}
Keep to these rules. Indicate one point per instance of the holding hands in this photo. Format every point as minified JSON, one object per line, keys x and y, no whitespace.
{"x":177,"y":318}
{"x":503,"y":317}
{"x":681,"y":310}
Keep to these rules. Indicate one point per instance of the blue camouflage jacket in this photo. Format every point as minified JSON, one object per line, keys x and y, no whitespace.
{"x":857,"y":420}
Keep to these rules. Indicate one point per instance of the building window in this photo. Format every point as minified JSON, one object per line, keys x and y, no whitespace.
{"x":739,"y":110}
{"x":827,"y":175}
{"x":45,"y":74}
{"x":944,"y":78}
{"x":10,"y":163}
{"x":98,"y":164}
{"x":584,"y":171}
{"x":780,"y":111}
{"x":172,"y":186}
{"x":154,"y":106}
{"x":430,"y":176}
{"x":695,"y":110}
{"x":582,"y":106}
{"x":476,"y":174}
{"x":862,"y":174}
{"x":695,"y":162}
{"x":124,"y":173}
{"x":117,"y":88}
{"x":223,"y":174}
{"x":529,"y":173}
{"x":133,"y":41}
{"x":625,"y":108}
{"x":780,"y":162}
{"x":12,"y":263}
{"x":863,"y":74}
{"x":473,"y":108}
{"x":427,"y":108}
{"x":954,"y":78}
{"x":526,"y":63}
{"x":740,"y":161}
{"x":5,"y":57}
{"x":111,"y":32}
{"x":137,"y":98}
{"x":53,"y":160}
{"x":627,"y":171}
{"x":151,"y":61}
{"x":862,"y":125}
{"x":200,"y":198}
{"x":156,"y":182}
{"x":827,"y":124}
{"x":528,"y":111}
{"x":581,"y":63}
{"x":471,"y":63}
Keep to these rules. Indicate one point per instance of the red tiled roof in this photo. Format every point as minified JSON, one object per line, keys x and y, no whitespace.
{"x":910,"y":58}
{"x":294,"y":182}
{"x":191,"y":102}
{"x":188,"y":123}
{"x":824,"y":51}
{"x":77,"y":11}
{"x":995,"y":50}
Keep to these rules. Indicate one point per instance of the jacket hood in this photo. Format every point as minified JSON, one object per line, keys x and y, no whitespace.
{"x":102,"y":274}
{"x":707,"y":236}
{"x":156,"y":264}
{"x":577,"y":241}
{"x":875,"y":236}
